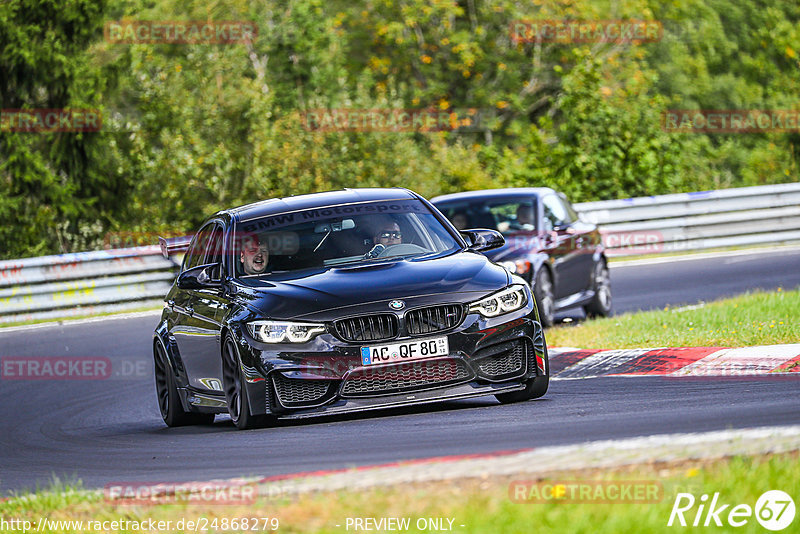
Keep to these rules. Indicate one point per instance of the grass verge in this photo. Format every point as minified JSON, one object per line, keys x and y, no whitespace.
{"x":762,"y":318}
{"x":482,"y":506}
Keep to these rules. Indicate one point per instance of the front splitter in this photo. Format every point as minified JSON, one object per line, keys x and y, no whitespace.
{"x":416,"y":398}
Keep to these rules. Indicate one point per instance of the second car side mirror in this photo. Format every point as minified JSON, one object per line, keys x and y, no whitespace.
{"x":201,"y":277}
{"x":483,"y":239}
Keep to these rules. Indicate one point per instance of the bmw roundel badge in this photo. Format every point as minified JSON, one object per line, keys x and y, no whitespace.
{"x":397,"y":304}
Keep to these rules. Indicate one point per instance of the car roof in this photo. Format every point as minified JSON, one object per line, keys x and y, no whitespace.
{"x":275,"y":206}
{"x":494,"y":193}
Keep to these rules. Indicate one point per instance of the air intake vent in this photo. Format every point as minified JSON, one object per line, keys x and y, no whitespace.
{"x":510,"y":361}
{"x":408,"y":376}
{"x":296,"y":393}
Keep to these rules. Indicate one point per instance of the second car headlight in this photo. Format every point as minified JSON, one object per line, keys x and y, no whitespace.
{"x":283,"y":332}
{"x":508,"y":300}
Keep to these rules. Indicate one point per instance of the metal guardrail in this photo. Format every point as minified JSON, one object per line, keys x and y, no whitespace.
{"x":744,"y":216}
{"x":83,"y":283}
{"x":110,"y":280}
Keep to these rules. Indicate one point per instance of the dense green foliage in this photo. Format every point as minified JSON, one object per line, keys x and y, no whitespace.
{"x":191,"y":128}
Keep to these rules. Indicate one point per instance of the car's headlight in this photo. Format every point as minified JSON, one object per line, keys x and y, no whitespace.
{"x":284,"y":332}
{"x":508,"y":300}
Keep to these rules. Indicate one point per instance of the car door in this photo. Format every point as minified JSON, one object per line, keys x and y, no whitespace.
{"x":199,"y":313}
{"x":563,"y":245}
{"x":585,"y":240}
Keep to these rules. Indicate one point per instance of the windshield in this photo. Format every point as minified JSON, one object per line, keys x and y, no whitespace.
{"x":339,"y":235}
{"x":507,"y":215}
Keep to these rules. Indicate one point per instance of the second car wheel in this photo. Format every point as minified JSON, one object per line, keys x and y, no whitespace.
{"x":543,"y":293}
{"x":234,"y":384}
{"x":600,"y":306}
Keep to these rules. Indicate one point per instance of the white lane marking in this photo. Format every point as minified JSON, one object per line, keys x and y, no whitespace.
{"x":71,"y":322}
{"x":703,"y":256}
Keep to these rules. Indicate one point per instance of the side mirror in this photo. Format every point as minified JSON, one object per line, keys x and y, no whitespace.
{"x":483,"y":239}
{"x":201,"y":277}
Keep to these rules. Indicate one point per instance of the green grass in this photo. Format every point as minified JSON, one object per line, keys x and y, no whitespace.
{"x":481,"y":505}
{"x":762,"y":318}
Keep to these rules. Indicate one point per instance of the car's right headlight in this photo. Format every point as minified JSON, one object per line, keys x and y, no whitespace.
{"x":506,"y":301}
{"x":284,"y":331}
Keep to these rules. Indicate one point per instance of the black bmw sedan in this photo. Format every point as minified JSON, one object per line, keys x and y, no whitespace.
{"x":340,"y":302}
{"x":547,"y":244}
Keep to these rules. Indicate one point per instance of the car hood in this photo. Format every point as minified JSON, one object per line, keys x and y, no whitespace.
{"x":325,"y":294}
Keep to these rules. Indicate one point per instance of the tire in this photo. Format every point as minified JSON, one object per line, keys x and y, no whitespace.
{"x":600,"y":306}
{"x":169,"y":403}
{"x":543,"y":293}
{"x":537,"y":387}
{"x":233,"y":382}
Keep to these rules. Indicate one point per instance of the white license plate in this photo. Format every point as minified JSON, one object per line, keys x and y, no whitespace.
{"x":407,"y":350}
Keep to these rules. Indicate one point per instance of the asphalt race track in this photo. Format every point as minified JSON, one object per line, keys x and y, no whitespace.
{"x":109,"y":431}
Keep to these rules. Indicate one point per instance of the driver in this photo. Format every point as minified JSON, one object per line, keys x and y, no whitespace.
{"x":254,"y":256}
{"x":388,"y":234}
{"x":525,"y":216}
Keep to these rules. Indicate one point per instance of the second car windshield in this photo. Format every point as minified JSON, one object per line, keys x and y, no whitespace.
{"x":339,"y":235}
{"x":507,"y":215}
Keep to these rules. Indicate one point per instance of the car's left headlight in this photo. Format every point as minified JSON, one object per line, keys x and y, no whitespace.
{"x":508,"y":300}
{"x":282,"y":331}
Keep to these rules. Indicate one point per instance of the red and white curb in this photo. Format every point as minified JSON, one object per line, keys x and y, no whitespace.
{"x":567,"y":363}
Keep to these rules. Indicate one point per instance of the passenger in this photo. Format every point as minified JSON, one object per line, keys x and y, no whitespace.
{"x":254,"y":256}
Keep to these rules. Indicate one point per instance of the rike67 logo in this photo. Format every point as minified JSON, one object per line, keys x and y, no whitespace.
{"x":774,"y":510}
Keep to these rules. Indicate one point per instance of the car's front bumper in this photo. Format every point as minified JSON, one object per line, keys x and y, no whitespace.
{"x":326,"y":375}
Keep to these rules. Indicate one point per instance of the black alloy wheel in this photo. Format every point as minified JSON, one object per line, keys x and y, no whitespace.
{"x":169,"y":403}
{"x":600,"y":306}
{"x":235,"y":395}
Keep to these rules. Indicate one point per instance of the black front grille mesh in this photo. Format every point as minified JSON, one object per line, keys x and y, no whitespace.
{"x":434,"y":319}
{"x":295,"y":392}
{"x":375,"y":327}
{"x":507,"y":362}
{"x":407,"y":376}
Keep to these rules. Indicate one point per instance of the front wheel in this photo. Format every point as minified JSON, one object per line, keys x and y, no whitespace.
{"x":235,"y":394}
{"x":169,"y":403}
{"x":537,"y":387}
{"x":600,"y":306}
